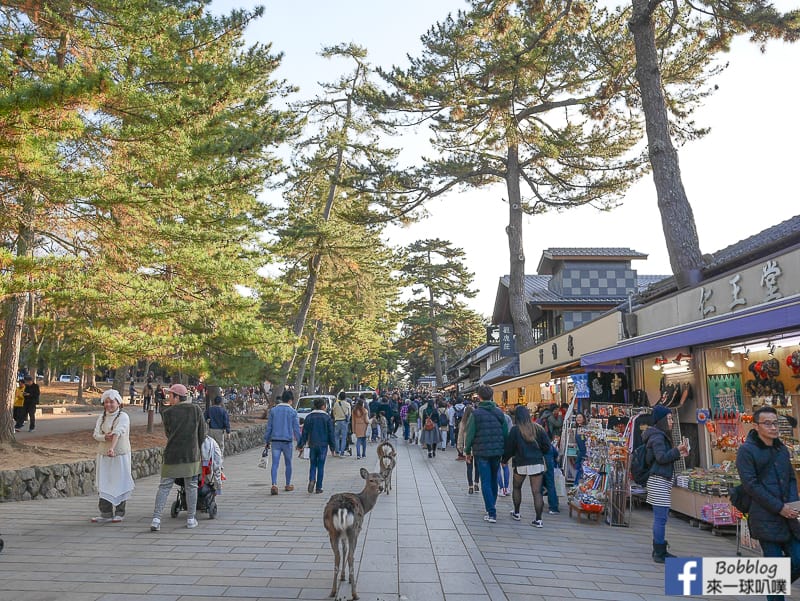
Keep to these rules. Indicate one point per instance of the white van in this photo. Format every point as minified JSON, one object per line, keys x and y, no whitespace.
{"x":305,"y":404}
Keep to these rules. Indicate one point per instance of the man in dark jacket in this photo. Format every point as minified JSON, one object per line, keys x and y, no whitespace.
{"x":768,"y":477}
{"x":485,"y":439}
{"x":31,"y":396}
{"x":318,"y":433}
{"x":186,"y":430}
{"x":219,"y":423}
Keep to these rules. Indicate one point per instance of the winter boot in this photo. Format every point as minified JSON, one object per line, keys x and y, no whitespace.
{"x":660,"y":552}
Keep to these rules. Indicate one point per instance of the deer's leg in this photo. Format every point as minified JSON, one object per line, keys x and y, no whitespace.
{"x":335,"y":547}
{"x":344,"y":555}
{"x":352,"y":536}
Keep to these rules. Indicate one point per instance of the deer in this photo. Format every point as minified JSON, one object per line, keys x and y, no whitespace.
{"x":387,"y":460}
{"x":343,"y":517}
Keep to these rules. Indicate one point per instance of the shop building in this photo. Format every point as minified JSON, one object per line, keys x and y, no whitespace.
{"x":717,"y":351}
{"x":569,"y":300}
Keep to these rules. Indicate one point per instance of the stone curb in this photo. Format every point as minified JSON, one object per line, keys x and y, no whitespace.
{"x":78,"y":479}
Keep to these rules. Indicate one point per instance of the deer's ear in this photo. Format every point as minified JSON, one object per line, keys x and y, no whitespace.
{"x":364,"y":473}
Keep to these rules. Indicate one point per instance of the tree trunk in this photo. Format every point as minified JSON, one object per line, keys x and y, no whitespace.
{"x":435,"y":344}
{"x":92,"y":383}
{"x":677,"y":218}
{"x":312,"y":379}
{"x":14,"y":317}
{"x":523,"y":330}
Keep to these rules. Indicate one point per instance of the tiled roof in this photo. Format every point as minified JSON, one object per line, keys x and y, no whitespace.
{"x":475,"y":355}
{"x":537,"y":292}
{"x":550,"y":256}
{"x":611,"y":252}
{"x":507,"y":368}
{"x":778,"y":236}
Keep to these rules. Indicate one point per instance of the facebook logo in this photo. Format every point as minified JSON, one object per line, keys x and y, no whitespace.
{"x":683,"y":576}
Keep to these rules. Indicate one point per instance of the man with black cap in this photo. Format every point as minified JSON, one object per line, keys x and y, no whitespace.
{"x":661,"y":456}
{"x":283,"y":425}
{"x":186,"y":430}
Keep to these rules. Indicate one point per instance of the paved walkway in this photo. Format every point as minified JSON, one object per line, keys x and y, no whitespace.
{"x":425,"y":541}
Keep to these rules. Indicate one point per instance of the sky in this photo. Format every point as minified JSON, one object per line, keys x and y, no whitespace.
{"x":740,"y":179}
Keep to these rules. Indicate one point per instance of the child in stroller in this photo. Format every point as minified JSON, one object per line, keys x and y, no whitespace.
{"x":209,"y":485}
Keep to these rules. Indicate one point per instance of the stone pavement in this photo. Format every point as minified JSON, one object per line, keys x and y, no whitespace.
{"x":425,"y":541}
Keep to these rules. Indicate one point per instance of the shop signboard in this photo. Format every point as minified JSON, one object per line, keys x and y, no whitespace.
{"x":493,"y":335}
{"x":507,"y":346}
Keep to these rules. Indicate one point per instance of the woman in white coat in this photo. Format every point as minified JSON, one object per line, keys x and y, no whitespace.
{"x":113,"y":471}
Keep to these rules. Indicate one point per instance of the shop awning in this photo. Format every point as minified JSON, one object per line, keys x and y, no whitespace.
{"x":780,"y":315}
{"x":573,"y":367}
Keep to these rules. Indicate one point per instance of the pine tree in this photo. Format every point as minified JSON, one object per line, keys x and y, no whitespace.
{"x":521,"y":93}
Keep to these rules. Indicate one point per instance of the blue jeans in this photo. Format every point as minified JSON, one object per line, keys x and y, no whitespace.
{"x":790,"y":549}
{"x":361,"y":446}
{"x":660,"y":515}
{"x":406,"y":429}
{"x":579,"y":468}
{"x":549,"y":482}
{"x":340,"y":435}
{"x":488,"y":467}
{"x":317,"y":469}
{"x":451,"y":437}
{"x":278,"y":449}
{"x":502,"y":476}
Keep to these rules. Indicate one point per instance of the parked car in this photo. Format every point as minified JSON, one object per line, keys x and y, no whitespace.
{"x":305,"y":404}
{"x":68,"y":378}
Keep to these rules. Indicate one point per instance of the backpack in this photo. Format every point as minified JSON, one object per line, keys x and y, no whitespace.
{"x":429,"y":425}
{"x":443,"y":419}
{"x":458,"y":415}
{"x":740,"y":499}
{"x":640,"y":466}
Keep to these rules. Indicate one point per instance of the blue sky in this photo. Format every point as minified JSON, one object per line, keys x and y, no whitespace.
{"x":740,"y":179}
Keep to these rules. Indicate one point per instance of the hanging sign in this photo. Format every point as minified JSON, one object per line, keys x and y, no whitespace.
{"x":703,"y":415}
{"x":581,"y":384}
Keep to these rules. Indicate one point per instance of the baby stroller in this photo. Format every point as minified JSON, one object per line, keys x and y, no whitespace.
{"x":207,"y":486}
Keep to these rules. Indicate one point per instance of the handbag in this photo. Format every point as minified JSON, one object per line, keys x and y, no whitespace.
{"x":429,"y":425}
{"x":561,"y":482}
{"x":262,"y":461}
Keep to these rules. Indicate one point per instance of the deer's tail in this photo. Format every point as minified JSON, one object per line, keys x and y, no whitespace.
{"x":343,"y":519}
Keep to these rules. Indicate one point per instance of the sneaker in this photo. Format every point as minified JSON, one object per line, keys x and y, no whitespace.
{"x":289,"y":487}
{"x":273,"y":490}
{"x":515,"y":517}
{"x":477,"y":488}
{"x":537,"y":524}
{"x":554,"y":511}
{"x":191,"y":523}
{"x":117,"y":519}
{"x":471,"y":489}
{"x":155,"y":525}
{"x":100,"y":520}
{"x":319,"y":491}
{"x":311,"y":485}
{"x":490,"y":519}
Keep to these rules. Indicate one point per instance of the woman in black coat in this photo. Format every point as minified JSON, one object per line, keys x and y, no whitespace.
{"x":661,"y":455}
{"x":527,"y":444}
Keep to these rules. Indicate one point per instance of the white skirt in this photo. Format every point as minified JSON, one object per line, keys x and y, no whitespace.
{"x":113,"y":478}
{"x":659,"y":491}
{"x":530,"y":470}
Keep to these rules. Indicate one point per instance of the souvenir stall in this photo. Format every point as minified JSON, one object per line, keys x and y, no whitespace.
{"x":605,"y":486}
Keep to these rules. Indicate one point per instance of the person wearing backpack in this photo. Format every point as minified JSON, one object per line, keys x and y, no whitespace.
{"x":458,"y":416}
{"x":769,"y":480}
{"x":663,"y":455}
{"x":430,"y":428}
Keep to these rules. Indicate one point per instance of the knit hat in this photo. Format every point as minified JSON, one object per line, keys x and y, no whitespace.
{"x":111,"y":394}
{"x":659,"y":413}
